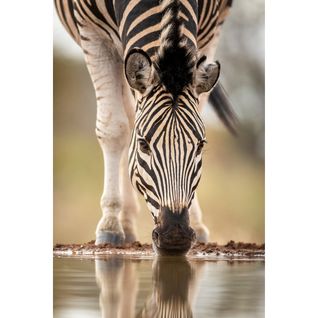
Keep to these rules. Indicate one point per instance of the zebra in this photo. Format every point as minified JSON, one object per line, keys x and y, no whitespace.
{"x":148,"y":64}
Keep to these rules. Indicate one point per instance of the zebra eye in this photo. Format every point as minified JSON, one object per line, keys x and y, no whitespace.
{"x":200,"y":147}
{"x":144,"y":146}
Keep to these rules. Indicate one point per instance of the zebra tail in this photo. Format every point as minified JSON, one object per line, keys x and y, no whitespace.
{"x":222,"y":105}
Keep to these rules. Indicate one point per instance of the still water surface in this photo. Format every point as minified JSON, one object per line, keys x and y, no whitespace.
{"x":121,"y":287}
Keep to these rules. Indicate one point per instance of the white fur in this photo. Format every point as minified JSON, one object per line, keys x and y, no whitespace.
{"x":200,"y":229}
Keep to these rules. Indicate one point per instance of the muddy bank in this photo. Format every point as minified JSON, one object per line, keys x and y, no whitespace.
{"x":229,"y":250}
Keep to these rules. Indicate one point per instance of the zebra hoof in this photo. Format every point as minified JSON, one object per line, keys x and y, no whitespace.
{"x":202,"y":236}
{"x":108,"y":237}
{"x":130,"y":238}
{"x":202,"y":239}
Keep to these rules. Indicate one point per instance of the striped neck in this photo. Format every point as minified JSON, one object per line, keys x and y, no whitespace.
{"x":140,"y":22}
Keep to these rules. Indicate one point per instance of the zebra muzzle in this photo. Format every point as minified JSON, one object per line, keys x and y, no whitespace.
{"x":173,"y":235}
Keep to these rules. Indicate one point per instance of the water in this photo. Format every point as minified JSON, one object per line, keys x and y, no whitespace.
{"x":121,"y":287}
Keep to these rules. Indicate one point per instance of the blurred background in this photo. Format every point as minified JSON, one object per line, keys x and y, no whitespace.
{"x":231,"y":190}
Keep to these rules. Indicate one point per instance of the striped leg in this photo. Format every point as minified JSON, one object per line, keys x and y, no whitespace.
{"x":112,"y":128}
{"x":200,"y":229}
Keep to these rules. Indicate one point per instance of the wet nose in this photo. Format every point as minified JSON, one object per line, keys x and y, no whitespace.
{"x":174,"y":239}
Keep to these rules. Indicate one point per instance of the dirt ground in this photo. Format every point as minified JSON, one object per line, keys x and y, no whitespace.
{"x":229,"y":250}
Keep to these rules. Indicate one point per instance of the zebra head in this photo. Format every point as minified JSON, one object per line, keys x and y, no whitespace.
{"x":165,"y":154}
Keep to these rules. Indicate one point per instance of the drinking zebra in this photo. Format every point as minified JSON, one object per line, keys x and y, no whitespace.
{"x":148,"y":64}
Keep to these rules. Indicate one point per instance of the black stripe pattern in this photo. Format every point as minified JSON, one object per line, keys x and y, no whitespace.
{"x":165,"y":156}
{"x":125,"y":20}
{"x":168,"y":173}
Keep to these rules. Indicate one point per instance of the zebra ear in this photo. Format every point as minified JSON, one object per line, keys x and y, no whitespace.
{"x":138,"y":69}
{"x":207,"y":75}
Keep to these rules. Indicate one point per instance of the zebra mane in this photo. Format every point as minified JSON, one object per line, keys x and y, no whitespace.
{"x":175,"y":59}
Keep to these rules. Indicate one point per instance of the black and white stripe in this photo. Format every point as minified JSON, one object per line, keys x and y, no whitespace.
{"x":165,"y":152}
{"x":137,"y":23}
{"x":167,"y":173}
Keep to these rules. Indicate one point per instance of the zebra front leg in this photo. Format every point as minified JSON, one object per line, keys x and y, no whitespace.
{"x":130,"y":205}
{"x":111,"y":135}
{"x":201,"y":231}
{"x":112,"y":128}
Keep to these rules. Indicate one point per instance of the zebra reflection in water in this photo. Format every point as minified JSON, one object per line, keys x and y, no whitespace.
{"x":175,"y":284}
